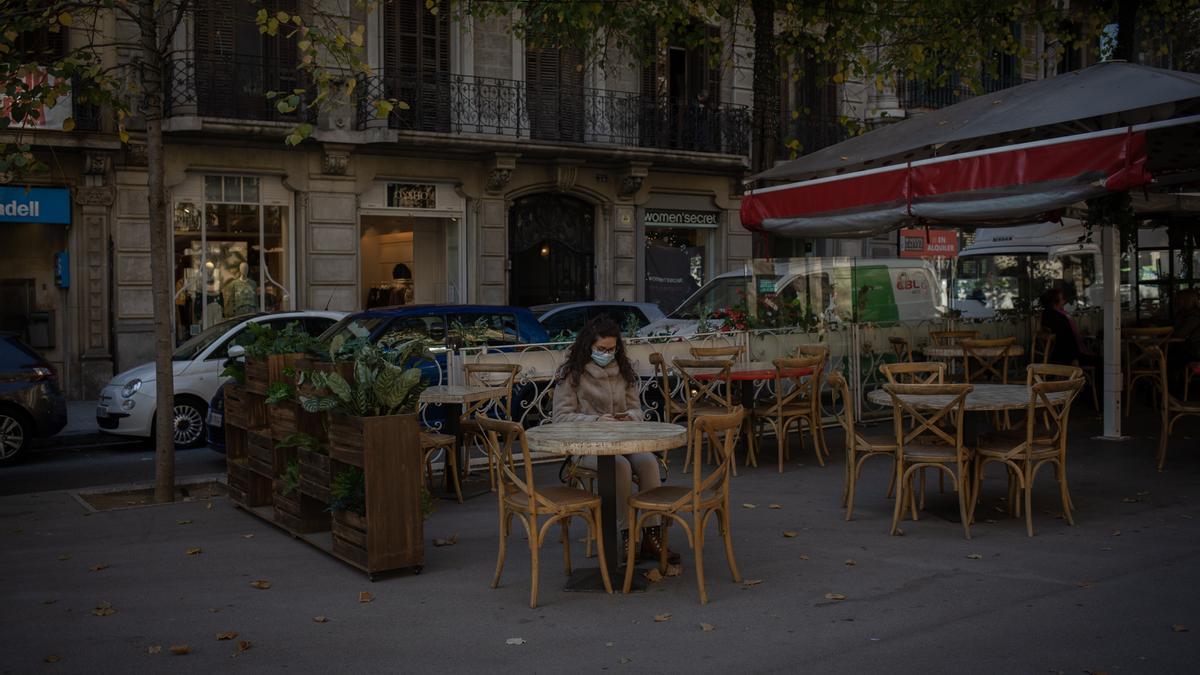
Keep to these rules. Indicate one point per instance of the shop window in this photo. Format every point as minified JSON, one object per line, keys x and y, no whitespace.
{"x":675,"y":264}
{"x":475,"y":330}
{"x":407,"y":328}
{"x":230,"y":254}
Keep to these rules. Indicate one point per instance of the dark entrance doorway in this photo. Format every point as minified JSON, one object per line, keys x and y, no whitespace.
{"x":550,"y":242}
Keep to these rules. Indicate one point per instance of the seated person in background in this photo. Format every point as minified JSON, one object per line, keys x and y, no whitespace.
{"x":1187,"y":326}
{"x":1068,"y":343}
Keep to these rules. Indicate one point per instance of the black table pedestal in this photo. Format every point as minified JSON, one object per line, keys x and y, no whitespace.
{"x":589,"y":579}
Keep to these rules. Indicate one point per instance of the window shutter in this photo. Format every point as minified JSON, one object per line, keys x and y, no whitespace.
{"x":1030,"y":63}
{"x":416,"y":64}
{"x":713,"y":64}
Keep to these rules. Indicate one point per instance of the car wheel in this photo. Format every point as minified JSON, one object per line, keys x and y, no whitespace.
{"x":15,"y":434}
{"x":189,"y":420}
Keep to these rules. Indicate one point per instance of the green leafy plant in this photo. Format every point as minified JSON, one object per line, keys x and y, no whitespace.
{"x":280,"y":391}
{"x":383,"y":384}
{"x":472,"y":334}
{"x":291,"y":477}
{"x":261,"y":341}
{"x":348,"y":492}
{"x":303,"y":441}
{"x":236,"y":369}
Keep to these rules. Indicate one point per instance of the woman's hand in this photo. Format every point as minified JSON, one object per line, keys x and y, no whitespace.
{"x":606,"y":418}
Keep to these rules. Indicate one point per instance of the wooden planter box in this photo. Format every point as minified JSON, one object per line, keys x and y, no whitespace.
{"x":247,"y":488}
{"x":260,"y":449}
{"x":350,"y":537}
{"x":314,"y":474}
{"x":389,"y":451}
{"x":235,"y":443}
{"x":244,"y":409}
{"x":283,"y":419}
{"x":297,"y":513}
{"x":256,"y":376}
{"x":261,"y":373}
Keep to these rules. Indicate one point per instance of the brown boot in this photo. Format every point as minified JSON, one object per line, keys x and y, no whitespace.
{"x":652,"y":545}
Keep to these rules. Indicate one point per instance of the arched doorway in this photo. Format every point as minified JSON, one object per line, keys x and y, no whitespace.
{"x":551,"y":238}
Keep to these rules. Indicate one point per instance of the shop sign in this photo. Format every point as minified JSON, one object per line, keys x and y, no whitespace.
{"x":922,"y":243}
{"x":680,"y":218}
{"x":411,"y":196}
{"x":35,"y":205}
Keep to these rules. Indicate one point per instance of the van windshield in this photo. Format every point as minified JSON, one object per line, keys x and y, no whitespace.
{"x":1015,"y":281}
{"x":720,"y":293}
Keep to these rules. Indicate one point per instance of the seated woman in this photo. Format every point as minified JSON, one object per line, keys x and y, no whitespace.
{"x":597,"y":383}
{"x":1068,"y":343}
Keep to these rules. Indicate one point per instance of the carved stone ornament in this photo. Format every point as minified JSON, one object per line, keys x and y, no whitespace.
{"x":498,"y":179}
{"x":135,"y":154}
{"x":335,"y":162}
{"x":95,"y":196}
{"x":632,"y":179}
{"x":96,"y":163}
{"x":566,"y":175}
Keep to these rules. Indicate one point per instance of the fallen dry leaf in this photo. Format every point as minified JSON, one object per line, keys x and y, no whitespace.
{"x":195,"y":550}
{"x":515,"y":641}
{"x":154,"y":649}
{"x":49,"y":602}
{"x":974,"y":556}
{"x":183,"y":522}
{"x":751,"y":583}
{"x":1116,"y":533}
{"x":1129,"y":500}
{"x":180,"y":650}
{"x":227,"y":635}
{"x":850,"y":562}
{"x":261,"y":584}
{"x":653,"y":575}
{"x":104,"y":609}
{"x":775,"y":506}
{"x":836,"y":597}
{"x":624,"y":659}
{"x":804,"y":556}
{"x":1085,"y":584}
{"x":446,"y":542}
{"x":789,"y":533}
{"x":1179,"y":628}
{"x":749,"y":506}
{"x":208,"y":506}
{"x":707,"y":627}
{"x":247,"y":536}
{"x":64,"y":556}
{"x":674,"y":570}
{"x":320,"y":619}
{"x":659,"y":618}
{"x":243,"y":645}
{"x":52,"y":659}
{"x":365,"y":596}
{"x":98,"y":567}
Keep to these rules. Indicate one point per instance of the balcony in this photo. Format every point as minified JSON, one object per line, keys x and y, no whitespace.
{"x":804,"y":135}
{"x":926,"y":94}
{"x":233,"y":87}
{"x":462,"y":104}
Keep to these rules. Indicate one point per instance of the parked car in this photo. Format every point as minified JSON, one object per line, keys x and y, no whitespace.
{"x":127,"y":403}
{"x":216,"y":419}
{"x":566,"y":318}
{"x":31,"y":403}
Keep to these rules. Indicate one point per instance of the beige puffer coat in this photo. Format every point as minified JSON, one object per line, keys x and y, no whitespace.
{"x":601,"y":391}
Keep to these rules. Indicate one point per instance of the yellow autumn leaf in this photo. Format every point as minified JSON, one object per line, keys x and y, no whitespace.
{"x":65,"y":19}
{"x":69,"y":124}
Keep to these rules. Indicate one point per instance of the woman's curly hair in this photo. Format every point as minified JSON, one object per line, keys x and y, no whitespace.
{"x":580,"y":353}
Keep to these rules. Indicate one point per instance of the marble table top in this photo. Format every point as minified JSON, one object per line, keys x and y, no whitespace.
{"x":752,"y":370}
{"x":605,"y":438}
{"x":956,"y":351}
{"x":982,"y":397}
{"x":460,"y":393}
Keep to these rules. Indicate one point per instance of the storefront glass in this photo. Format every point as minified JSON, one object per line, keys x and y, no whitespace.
{"x":230,"y":254}
{"x":675,"y":264}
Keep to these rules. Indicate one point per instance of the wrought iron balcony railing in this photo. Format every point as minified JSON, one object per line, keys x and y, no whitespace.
{"x":462,"y":104}
{"x":807,"y":134}
{"x":233,"y":86}
{"x":928,"y":94}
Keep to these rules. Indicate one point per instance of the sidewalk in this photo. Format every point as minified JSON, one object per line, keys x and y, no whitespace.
{"x":1103,"y":595}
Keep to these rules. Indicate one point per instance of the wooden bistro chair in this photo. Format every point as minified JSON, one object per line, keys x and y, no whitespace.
{"x":707,"y":496}
{"x":919,"y":372}
{"x":797,"y":399}
{"x":901,"y":349}
{"x":498,"y":375}
{"x":732,"y":352}
{"x":1043,"y":345}
{"x":948,"y":338}
{"x":987,"y":361}
{"x":861,"y":444}
{"x":1024,"y":455}
{"x":1142,"y":349}
{"x":673,"y":409}
{"x":431,"y":443}
{"x":914,"y":452}
{"x":520,"y":497}
{"x":708,"y":390}
{"x":1172,"y":410}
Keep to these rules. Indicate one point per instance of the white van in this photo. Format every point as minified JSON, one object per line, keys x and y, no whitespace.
{"x":832,"y":290}
{"x":1010,"y":267}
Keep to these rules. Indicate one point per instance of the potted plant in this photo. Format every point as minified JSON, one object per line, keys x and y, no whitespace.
{"x":348,"y":502}
{"x":292,"y":510}
{"x":314,"y":464}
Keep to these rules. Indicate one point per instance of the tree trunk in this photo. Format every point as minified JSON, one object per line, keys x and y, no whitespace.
{"x":766,"y":86}
{"x":160,"y":274}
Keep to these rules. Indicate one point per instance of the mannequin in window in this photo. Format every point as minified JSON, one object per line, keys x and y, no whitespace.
{"x":238,"y":294}
{"x":396,"y":291}
{"x":184,"y":299}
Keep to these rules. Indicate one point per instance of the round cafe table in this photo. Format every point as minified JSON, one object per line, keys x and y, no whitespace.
{"x":956,"y":351}
{"x":982,"y":398}
{"x":605,"y":440}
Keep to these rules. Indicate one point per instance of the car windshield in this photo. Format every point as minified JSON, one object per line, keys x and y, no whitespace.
{"x":198,"y":343}
{"x":719,"y":293}
{"x":351,"y":328}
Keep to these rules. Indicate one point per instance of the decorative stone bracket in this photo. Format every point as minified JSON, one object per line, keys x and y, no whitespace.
{"x":335,"y":160}
{"x":632,"y":179}
{"x":501,"y":172}
{"x":566,"y":174}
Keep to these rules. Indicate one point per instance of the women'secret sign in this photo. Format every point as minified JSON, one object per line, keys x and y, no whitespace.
{"x":680,"y":218}
{"x":922,"y":243}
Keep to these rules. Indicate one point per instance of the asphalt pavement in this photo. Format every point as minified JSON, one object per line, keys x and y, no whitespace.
{"x":114,"y":591}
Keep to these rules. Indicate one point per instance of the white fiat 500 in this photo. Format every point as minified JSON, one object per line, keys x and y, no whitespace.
{"x":127,"y":403}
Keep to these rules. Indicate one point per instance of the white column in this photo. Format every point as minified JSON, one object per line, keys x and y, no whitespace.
{"x":1111,"y":371}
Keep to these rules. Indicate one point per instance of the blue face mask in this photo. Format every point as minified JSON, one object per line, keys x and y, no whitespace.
{"x":602,"y":359}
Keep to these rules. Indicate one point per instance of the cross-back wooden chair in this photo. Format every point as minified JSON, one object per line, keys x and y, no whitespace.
{"x":673,"y":408}
{"x":433,"y":442}
{"x":707,"y":496}
{"x":732,"y":352}
{"x":1142,"y":349}
{"x":1033,"y":448}
{"x":1043,"y":345}
{"x":498,"y":375}
{"x":1172,"y":411}
{"x":914,"y":452}
{"x":901,"y":349}
{"x":861,"y":443}
{"x":797,"y":399}
{"x":918,"y":372}
{"x":708,"y":388}
{"x":806,"y":351}
{"x":986,"y":360}
{"x":520,"y":497}
{"x":947,"y":338}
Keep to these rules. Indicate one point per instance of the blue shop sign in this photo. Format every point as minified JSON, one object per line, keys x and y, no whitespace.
{"x":35,"y":205}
